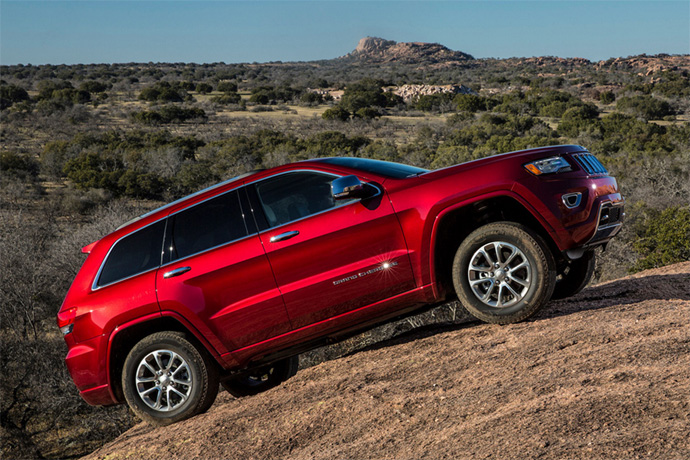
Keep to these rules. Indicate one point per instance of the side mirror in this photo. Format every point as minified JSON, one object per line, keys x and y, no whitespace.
{"x":348,"y":187}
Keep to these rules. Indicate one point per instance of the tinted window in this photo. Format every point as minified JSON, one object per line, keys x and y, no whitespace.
{"x":292,"y":196}
{"x":207,"y":225}
{"x":135,"y":253}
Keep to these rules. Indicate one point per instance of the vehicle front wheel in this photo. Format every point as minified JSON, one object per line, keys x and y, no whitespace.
{"x":166,"y":379}
{"x":575,"y":276}
{"x":262,"y":379}
{"x":503,"y":273}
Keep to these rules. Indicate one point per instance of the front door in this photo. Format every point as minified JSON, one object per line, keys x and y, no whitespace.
{"x":330,"y":257}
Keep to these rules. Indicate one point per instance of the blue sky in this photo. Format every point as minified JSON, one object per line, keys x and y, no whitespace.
{"x":71,"y":32}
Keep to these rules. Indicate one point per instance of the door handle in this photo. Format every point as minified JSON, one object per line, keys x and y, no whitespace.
{"x":176,"y":272}
{"x":284,"y":236}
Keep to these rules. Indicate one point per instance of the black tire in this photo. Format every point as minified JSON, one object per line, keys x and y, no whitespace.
{"x":262,"y":379}
{"x":170,"y":367}
{"x":510,"y":280}
{"x":576,"y":275}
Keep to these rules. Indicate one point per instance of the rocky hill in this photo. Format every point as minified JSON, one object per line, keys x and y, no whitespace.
{"x":378,"y":50}
{"x":605,"y":374}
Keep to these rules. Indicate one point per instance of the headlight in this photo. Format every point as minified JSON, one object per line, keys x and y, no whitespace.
{"x":548,"y":166}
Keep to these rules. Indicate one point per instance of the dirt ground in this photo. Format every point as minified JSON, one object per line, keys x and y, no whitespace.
{"x":605,"y":374}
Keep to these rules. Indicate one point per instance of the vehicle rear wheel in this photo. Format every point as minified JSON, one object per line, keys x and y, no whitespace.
{"x":575,"y":276}
{"x":262,"y":379}
{"x":503,"y":273}
{"x":166,"y":379}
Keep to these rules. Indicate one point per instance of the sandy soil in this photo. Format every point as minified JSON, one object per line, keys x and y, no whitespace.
{"x":605,"y":374}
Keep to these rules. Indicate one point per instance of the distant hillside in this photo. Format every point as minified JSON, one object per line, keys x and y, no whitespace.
{"x":373,"y":50}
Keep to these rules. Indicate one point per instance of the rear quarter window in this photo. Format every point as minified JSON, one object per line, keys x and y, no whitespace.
{"x":136,"y":253}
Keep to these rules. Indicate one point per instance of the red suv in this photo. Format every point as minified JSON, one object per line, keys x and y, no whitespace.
{"x":228,"y":285}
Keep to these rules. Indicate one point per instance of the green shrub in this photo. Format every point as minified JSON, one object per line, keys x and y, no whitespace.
{"x":227,"y":86}
{"x":607,"y":97}
{"x":647,"y":107}
{"x":469,"y":103}
{"x":227,"y":98}
{"x":164,"y":92}
{"x":169,"y":114}
{"x":9,"y":94}
{"x":21,"y":166}
{"x":663,"y":238}
{"x":367,"y":113}
{"x":94,"y":86}
{"x":337,"y":112}
{"x":365,"y":93}
{"x":204,"y":88}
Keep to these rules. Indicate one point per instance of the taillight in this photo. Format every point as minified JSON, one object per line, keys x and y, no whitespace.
{"x":65,"y":320}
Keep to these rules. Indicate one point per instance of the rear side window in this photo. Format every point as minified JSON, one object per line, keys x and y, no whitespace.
{"x":136,"y":253}
{"x":207,"y":225}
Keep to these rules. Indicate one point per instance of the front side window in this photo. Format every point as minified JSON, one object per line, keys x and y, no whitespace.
{"x":133,"y":254}
{"x":295,"y":195}
{"x":207,"y":225}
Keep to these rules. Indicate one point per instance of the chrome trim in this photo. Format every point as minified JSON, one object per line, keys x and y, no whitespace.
{"x":176,"y":272}
{"x":604,"y":227}
{"x":284,"y":236}
{"x":567,"y":196}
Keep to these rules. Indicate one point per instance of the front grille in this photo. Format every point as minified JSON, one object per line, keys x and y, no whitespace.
{"x":589,"y":163}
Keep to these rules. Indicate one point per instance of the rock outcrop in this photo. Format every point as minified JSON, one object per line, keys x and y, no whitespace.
{"x":373,"y":49}
{"x":410,"y":92}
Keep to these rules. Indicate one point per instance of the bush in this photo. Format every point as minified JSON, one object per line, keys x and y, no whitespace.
{"x":227,"y":87}
{"x":578,"y":119}
{"x":169,"y":114}
{"x":336,"y":112}
{"x":647,"y":107}
{"x":368,"y":113}
{"x":21,"y":166}
{"x":94,"y":86}
{"x":310,"y":98}
{"x":227,"y":98}
{"x":663,"y":238}
{"x":204,"y":88}
{"x":607,"y":97}
{"x":164,"y":92}
{"x":469,"y":103}
{"x":9,"y":94}
{"x":365,"y":93}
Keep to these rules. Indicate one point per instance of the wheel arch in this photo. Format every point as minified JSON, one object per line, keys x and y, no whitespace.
{"x":125,"y":337}
{"x":454,"y":224}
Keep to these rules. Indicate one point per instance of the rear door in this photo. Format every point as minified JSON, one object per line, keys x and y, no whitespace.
{"x":216,"y":275}
{"x":329,"y":257}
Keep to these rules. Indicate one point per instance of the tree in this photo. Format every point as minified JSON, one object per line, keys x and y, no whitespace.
{"x":663,"y":238}
{"x":365,"y":93}
{"x":337,"y":112}
{"x":204,"y":88}
{"x":9,"y":94}
{"x":227,"y":86}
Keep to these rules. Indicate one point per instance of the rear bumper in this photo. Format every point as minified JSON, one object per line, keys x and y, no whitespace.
{"x":87,"y":364}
